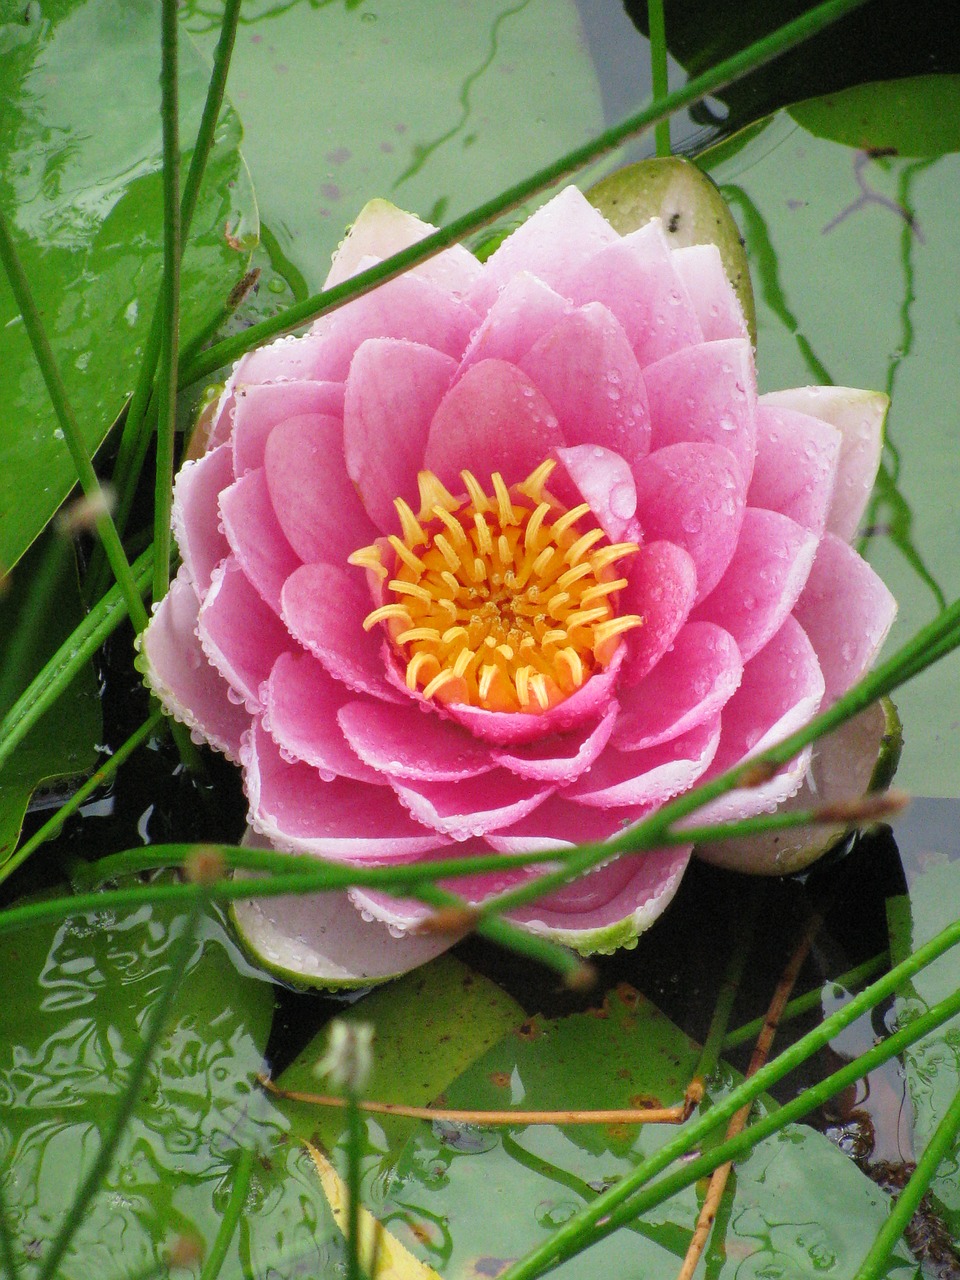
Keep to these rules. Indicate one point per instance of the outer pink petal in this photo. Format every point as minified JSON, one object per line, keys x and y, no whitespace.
{"x":763,"y":581}
{"x":472,"y":807}
{"x":409,"y":742}
{"x":393,"y":391}
{"x":796,"y":466}
{"x":560,"y":758}
{"x":525,"y":310}
{"x":700,"y":267}
{"x":287,"y":360}
{"x":662,"y":587}
{"x":255,"y":536}
{"x":177,"y":671}
{"x":240,"y":633}
{"x":636,"y":279}
{"x":706,"y":393}
{"x":693,"y":680}
{"x":324,"y":608}
{"x":694,"y":496}
{"x":846,"y":611}
{"x":495,"y":418}
{"x":559,"y":824}
{"x":552,"y":244}
{"x":648,"y":777}
{"x":605,"y":480}
{"x":261,"y":407}
{"x":301,"y":701}
{"x":859,"y":417}
{"x":196,"y":521}
{"x":297,"y":811}
{"x":587,"y":371}
{"x":315,"y":503}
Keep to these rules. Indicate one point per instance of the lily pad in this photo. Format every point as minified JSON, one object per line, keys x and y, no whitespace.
{"x":917,"y":116}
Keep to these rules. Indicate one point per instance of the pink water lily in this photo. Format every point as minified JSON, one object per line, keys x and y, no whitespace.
{"x":503,"y":557}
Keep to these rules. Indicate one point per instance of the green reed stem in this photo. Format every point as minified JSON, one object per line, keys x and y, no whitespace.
{"x":582,"y":1229}
{"x":169,"y":299}
{"x":355,"y":1134}
{"x":810,"y":1000}
{"x":72,"y":435}
{"x":658,"y":68}
{"x":43,"y":590}
{"x":8,"y":1257}
{"x":240,"y":1183}
{"x":940,"y":1145}
{"x":730,"y":69}
{"x":730,"y":984}
{"x":110,"y":1138}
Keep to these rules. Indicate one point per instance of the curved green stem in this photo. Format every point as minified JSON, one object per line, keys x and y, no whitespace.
{"x":658,"y":67}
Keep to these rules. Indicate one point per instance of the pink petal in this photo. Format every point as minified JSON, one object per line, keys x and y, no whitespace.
{"x":261,"y":407}
{"x":859,"y":417}
{"x":694,"y":496}
{"x":551,"y":244}
{"x":662,"y":584}
{"x":763,"y":581}
{"x":557,"y":824}
{"x":492,"y":418}
{"x":315,"y":503}
{"x":255,"y":536}
{"x":409,"y":742}
{"x":635,"y":278}
{"x":177,"y":671}
{"x":560,"y":758}
{"x":348,"y":821}
{"x":604,"y":480}
{"x":196,"y":521}
{"x":324,"y":608}
{"x":693,"y":680}
{"x":240,"y":633}
{"x":846,"y":611}
{"x":472,"y":807}
{"x":651,"y":776}
{"x":288,"y":359}
{"x":707,"y":394}
{"x":700,"y":267}
{"x":525,"y":309}
{"x":586,"y":370}
{"x":393,"y":391}
{"x":301,"y":701}
{"x":796,"y":465}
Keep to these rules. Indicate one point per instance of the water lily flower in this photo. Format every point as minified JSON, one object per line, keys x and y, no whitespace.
{"x":502,"y":557}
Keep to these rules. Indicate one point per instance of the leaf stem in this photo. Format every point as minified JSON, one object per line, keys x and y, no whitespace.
{"x":658,"y":67}
{"x":240,"y":1183}
{"x":7,"y":1255}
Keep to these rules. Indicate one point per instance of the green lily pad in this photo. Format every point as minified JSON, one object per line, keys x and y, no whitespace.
{"x":917,"y":116}
{"x":80,"y":157}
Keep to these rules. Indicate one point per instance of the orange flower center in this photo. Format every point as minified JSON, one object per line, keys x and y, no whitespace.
{"x":501,"y":600}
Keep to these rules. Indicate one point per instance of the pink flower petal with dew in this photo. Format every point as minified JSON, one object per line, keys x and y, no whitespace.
{"x":324,"y":608}
{"x":262,"y":407}
{"x":846,"y":611}
{"x":381,"y":229}
{"x":589,"y":375}
{"x":315,"y":503}
{"x":472,"y":807}
{"x":560,"y":758}
{"x":240,"y":633}
{"x":495,"y":418}
{"x":763,"y":580}
{"x":661,"y":586}
{"x":796,"y":466}
{"x":605,"y":480}
{"x":559,"y":824}
{"x":693,"y":495}
{"x":196,"y":521}
{"x":177,"y":670}
{"x":651,"y":776}
{"x":859,"y":417}
{"x":345,"y":820}
{"x":700,"y":267}
{"x":255,"y":536}
{"x":635,"y":279}
{"x":693,"y":680}
{"x":552,"y":244}
{"x":408,"y":742}
{"x":289,"y":359}
{"x":525,"y":309}
{"x":394,"y":389}
{"x":301,"y":700}
{"x":509,"y":728}
{"x":706,"y":394}
{"x":408,"y":307}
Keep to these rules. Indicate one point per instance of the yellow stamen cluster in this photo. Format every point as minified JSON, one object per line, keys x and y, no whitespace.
{"x":499,"y":600}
